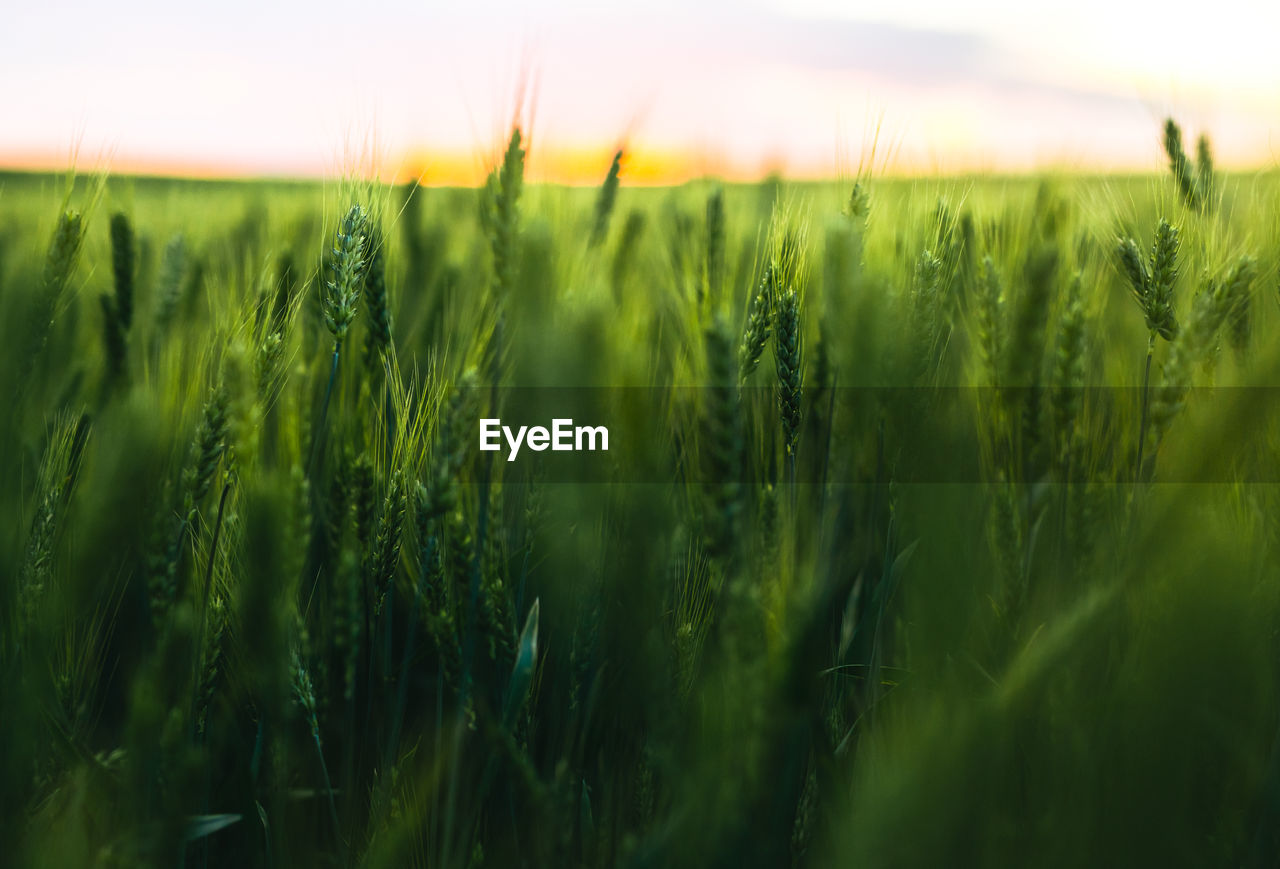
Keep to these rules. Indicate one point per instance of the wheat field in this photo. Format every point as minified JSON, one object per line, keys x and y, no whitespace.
{"x":939,"y":523}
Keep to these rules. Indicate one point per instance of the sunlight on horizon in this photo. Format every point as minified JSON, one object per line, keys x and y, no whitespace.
{"x":803,"y":87}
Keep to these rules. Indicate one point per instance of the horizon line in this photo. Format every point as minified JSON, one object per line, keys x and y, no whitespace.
{"x":576,"y":166}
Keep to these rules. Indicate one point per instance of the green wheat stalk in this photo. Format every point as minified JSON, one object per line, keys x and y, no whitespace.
{"x":1180,"y":165}
{"x":1152,"y":287}
{"x":338,"y":302}
{"x":755,"y":334}
{"x":605,"y":201}
{"x":787,"y":363}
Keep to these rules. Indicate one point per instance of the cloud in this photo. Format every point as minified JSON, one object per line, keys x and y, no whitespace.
{"x":921,"y":58}
{"x":910,"y":55}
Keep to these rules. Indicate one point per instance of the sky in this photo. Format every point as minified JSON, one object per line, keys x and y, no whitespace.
{"x":810,"y":88}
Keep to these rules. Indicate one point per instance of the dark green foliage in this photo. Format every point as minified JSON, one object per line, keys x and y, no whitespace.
{"x":378,"y":338}
{"x":386,"y":544}
{"x":1024,"y":359}
{"x":1068,"y":378}
{"x":123,"y":268}
{"x":715,"y":249}
{"x":722,"y":447}
{"x":113,"y":336}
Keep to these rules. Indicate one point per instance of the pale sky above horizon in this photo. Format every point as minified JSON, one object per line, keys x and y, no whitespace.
{"x":802,"y":86}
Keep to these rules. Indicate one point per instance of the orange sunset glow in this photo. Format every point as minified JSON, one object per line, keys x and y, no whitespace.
{"x":809,"y":89}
